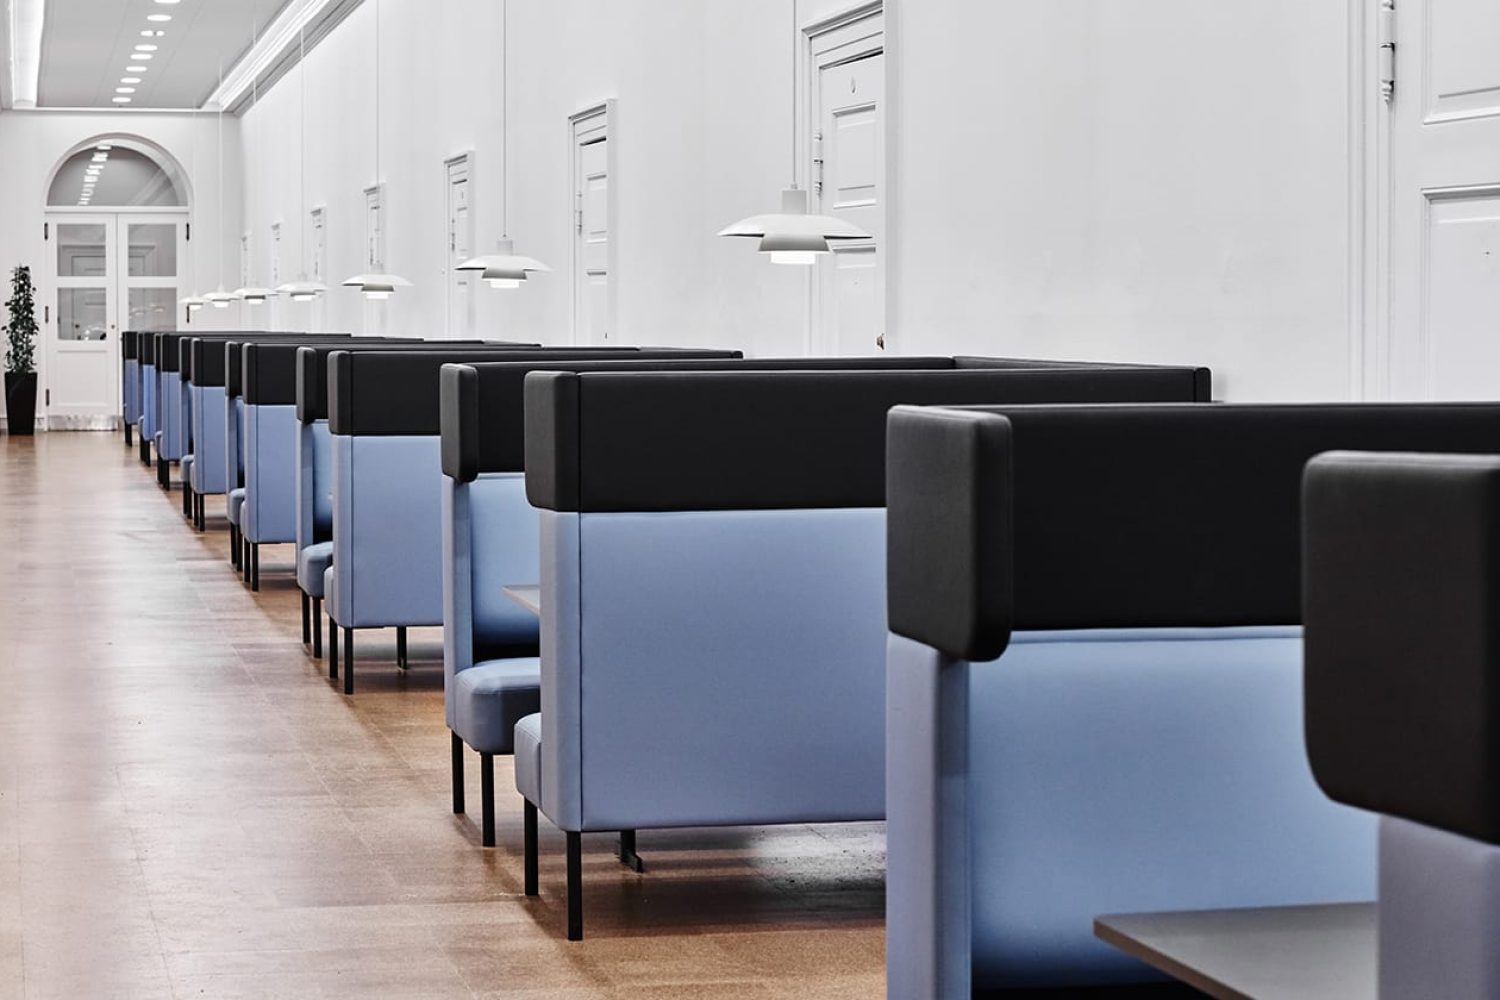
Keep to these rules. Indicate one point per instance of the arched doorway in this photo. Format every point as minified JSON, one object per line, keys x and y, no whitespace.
{"x":116,"y":235}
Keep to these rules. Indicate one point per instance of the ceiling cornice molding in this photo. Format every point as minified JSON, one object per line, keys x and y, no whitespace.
{"x":275,"y":53}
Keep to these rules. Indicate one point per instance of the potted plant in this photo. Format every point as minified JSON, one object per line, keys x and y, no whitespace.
{"x":20,"y":354}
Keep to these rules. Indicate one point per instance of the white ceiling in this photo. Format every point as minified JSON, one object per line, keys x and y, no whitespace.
{"x":87,"y":44}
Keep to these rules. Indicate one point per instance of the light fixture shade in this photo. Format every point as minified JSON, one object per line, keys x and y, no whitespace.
{"x":254,"y":296}
{"x":504,"y":268}
{"x":793,"y":230}
{"x":193,"y":302}
{"x":302,"y":290}
{"x":220,"y":299}
{"x":377,"y":286}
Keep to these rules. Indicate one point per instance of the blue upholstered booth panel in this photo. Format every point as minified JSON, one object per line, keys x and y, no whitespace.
{"x":130,"y":385}
{"x":387,"y":531}
{"x":234,"y":442}
{"x":314,"y":484}
{"x":148,"y":401}
{"x":728,"y":668}
{"x":270,"y":514}
{"x":209,"y":465}
{"x":490,"y":541}
{"x":169,"y":411}
{"x":1127,"y":771}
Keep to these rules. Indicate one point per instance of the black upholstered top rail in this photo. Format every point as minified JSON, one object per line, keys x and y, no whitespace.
{"x":147,"y":348}
{"x":1119,"y":516}
{"x":761,"y":440}
{"x":397,"y":395}
{"x":265,"y":371}
{"x":483,"y":405}
{"x":202,"y":355}
{"x":1401,"y":563}
{"x":169,"y":349}
{"x":130,"y":345}
{"x":311,"y":366}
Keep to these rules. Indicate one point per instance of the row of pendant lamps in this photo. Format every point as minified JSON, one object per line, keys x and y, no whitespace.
{"x":792,"y":236}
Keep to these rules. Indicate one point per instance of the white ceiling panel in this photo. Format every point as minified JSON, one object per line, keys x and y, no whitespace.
{"x":87,"y":45}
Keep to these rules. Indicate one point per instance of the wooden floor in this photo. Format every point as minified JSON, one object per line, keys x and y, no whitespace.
{"x":189,"y":809}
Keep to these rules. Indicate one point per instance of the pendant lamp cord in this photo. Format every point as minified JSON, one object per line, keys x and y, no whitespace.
{"x":379,"y":192}
{"x":302,"y":150}
{"x":221,"y":175}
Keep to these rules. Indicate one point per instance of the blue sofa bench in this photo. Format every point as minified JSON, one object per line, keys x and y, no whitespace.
{"x":1095,"y":683}
{"x":713,"y":588}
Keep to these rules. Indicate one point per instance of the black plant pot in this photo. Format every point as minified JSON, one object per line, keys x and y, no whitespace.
{"x":20,"y":402}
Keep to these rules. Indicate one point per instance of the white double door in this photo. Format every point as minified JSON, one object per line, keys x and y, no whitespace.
{"x":108,"y":273}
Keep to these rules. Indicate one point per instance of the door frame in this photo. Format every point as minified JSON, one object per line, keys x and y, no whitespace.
{"x":1369,"y":325}
{"x":586,"y":127}
{"x":846,"y":36}
{"x":117,"y":284}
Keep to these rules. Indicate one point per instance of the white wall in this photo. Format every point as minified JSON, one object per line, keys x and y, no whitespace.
{"x":1162,"y":181}
{"x":36,"y":142}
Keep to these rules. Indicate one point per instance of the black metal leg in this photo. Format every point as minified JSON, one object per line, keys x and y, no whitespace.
{"x":187,"y":501}
{"x":487,"y":793}
{"x":575,"y":886}
{"x":255,"y":567}
{"x":333,"y":649}
{"x":458,"y":773}
{"x":348,"y":661}
{"x":202,"y":512}
{"x":530,"y":849}
{"x":317,"y":627}
{"x":145,"y":449}
{"x":245,"y":558}
{"x":163,"y":473}
{"x":306,"y":618}
{"x":234,"y":546}
{"x":129,"y":434}
{"x":401,"y":648}
{"x":626,"y":851}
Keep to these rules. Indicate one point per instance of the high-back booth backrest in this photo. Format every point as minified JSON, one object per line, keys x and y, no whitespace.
{"x":1136,"y":570}
{"x":130,"y":376}
{"x":713,"y":579}
{"x":146,"y":350}
{"x":491,"y":530}
{"x":384,"y":417}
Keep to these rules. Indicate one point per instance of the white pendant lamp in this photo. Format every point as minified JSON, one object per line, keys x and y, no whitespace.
{"x":377,"y":286}
{"x":303,"y":289}
{"x":192,"y":303}
{"x":792,"y":236}
{"x":254,"y":296}
{"x":504,"y":268}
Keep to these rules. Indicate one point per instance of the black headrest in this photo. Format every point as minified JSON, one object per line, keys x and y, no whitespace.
{"x":1402,"y":636}
{"x":393,"y":394}
{"x":483,"y":405}
{"x":311,"y":366}
{"x":264,"y":372}
{"x":130,"y":344}
{"x":202,"y":354}
{"x":1122,"y":516}
{"x":761,"y":440}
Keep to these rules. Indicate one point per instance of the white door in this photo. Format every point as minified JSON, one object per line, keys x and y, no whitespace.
{"x":460,"y":249}
{"x":151,"y":248}
{"x":593,"y":313}
{"x":1445,"y":201}
{"x":81,"y":322}
{"x":849,"y":181}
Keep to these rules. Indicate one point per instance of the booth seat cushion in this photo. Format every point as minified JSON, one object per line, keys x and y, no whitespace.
{"x":187,"y":470}
{"x":312,"y":563}
{"x":529,"y":758}
{"x":331,"y":595}
{"x":492,"y":697}
{"x":236,"y":503}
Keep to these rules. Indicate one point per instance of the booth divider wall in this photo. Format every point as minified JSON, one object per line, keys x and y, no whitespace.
{"x":713,"y":584}
{"x":1134,"y":572}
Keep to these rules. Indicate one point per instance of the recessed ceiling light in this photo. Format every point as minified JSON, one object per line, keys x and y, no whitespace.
{"x":141,"y":55}
{"x":159,"y":18}
{"x":124,"y":90}
{"x":136,"y":69}
{"x":130,"y":79}
{"x":100,"y":157}
{"x":122,"y":100}
{"x":165,"y":2}
{"x":143,"y":47}
{"x":104,"y":147}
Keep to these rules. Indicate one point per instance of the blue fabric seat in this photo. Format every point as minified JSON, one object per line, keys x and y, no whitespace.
{"x":491,"y":697}
{"x":313,"y":563}
{"x":187,"y":471}
{"x":528,"y":740}
{"x":236,"y":502}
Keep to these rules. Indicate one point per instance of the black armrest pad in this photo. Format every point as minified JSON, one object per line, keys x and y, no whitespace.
{"x":948,"y":530}
{"x":1401,"y":590}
